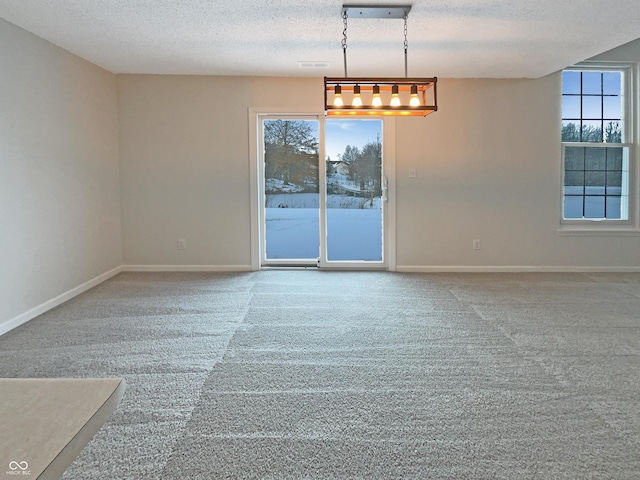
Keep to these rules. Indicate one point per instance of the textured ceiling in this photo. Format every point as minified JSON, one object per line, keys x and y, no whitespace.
{"x":447,"y":38}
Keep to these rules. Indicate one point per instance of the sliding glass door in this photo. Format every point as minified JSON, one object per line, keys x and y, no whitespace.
{"x":327,"y":213}
{"x":354,"y":188}
{"x":291,"y":201}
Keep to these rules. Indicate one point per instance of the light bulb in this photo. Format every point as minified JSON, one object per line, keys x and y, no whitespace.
{"x":337,"y":97}
{"x":377,"y":101}
{"x":395,"y":99}
{"x":357,"y":99}
{"x":414,"y":101}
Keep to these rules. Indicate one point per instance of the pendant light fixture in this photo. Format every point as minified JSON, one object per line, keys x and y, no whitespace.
{"x":363,"y":96}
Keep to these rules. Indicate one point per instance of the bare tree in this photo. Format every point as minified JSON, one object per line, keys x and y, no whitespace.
{"x":291,"y":152}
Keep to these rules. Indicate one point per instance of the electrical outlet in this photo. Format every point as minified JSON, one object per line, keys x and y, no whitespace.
{"x":182,"y":244}
{"x":476,"y":244}
{"x":413,"y":172}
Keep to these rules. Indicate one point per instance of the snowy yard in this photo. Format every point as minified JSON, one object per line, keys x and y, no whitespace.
{"x":353,"y":233}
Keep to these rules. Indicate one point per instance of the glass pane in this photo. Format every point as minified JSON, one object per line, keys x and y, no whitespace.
{"x":574,"y":158}
{"x":570,"y":131}
{"x":612,"y":83}
{"x":573,"y":207}
{"x":291,"y":189}
{"x":613,"y":132}
{"x":595,"y":159}
{"x":594,"y":207}
{"x":612,"y":108}
{"x":591,"y":82}
{"x":354,"y":190}
{"x":614,"y":183}
{"x":574,"y":179}
{"x":592,"y":131}
{"x":594,"y":182}
{"x":592,"y":107}
{"x":614,"y":159}
{"x":570,"y":106}
{"x":613,"y":207}
{"x":570,"y":82}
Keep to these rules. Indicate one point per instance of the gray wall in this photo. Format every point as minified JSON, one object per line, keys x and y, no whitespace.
{"x":488,"y":163}
{"x":489,"y":166}
{"x":184,"y":150}
{"x":59,"y":173}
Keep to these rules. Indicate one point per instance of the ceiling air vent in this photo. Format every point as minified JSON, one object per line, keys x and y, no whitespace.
{"x":313,"y":64}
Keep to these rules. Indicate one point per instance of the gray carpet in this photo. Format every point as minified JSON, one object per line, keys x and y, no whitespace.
{"x":344,"y":375}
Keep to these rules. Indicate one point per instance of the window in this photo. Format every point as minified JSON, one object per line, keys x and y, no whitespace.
{"x":595,"y":147}
{"x":594,"y":178}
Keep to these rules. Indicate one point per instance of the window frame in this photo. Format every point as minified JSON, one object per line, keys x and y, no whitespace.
{"x":628,"y":116}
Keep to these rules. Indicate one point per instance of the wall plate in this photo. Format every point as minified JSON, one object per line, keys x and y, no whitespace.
{"x":376,"y":11}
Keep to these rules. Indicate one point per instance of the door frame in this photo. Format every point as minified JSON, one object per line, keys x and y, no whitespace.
{"x":255,"y":116}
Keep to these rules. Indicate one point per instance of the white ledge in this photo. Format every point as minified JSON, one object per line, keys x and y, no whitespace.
{"x":598,"y":232}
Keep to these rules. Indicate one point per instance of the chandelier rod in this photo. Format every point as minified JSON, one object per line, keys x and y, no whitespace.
{"x":344,"y":41}
{"x":406,"y":45}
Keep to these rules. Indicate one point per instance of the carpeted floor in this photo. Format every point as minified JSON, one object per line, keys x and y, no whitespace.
{"x":343,"y":375}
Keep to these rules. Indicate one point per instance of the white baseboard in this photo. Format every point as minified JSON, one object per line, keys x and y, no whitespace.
{"x":398,"y":268}
{"x":514,"y":269}
{"x":54,"y":302}
{"x":186,"y":268}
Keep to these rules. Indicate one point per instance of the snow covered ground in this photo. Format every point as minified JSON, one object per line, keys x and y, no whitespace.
{"x":353,"y":233}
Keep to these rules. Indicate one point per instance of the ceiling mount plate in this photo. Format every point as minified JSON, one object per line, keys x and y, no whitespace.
{"x":376,"y":11}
